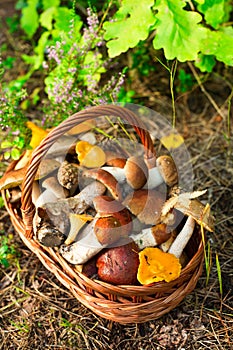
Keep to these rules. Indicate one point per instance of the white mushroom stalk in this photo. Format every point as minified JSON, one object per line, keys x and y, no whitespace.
{"x":151,"y":237}
{"x":182,"y":238}
{"x":83,"y":250}
{"x":154,"y":177}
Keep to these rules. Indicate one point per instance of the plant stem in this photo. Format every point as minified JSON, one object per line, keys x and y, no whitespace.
{"x":172,"y":76}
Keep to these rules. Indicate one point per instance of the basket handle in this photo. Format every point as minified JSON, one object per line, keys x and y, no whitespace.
{"x":27,"y":207}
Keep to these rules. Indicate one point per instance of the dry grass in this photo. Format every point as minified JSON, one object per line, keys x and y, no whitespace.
{"x":37,"y":312}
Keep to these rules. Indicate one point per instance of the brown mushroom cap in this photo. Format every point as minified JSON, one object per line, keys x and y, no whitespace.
{"x":167,"y":169}
{"x":146,"y":205}
{"x":136,"y":172}
{"x":107,"y":179}
{"x":108,"y":230}
{"x":108,"y":207}
{"x":119,"y":265}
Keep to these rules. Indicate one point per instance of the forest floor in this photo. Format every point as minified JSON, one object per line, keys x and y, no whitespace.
{"x":38,"y":312}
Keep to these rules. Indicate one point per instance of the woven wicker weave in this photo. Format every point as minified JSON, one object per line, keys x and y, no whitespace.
{"x":123,"y":304}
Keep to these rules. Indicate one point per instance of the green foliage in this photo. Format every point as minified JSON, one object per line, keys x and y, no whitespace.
{"x":7,"y":250}
{"x":29,"y":20}
{"x":12,"y":122}
{"x":202,"y":33}
{"x":219,"y":274}
{"x":185,"y":81}
{"x":131,"y":24}
{"x":177,"y":30}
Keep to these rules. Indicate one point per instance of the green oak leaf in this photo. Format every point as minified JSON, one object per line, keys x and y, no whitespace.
{"x":29,"y":20}
{"x":46,"y":18}
{"x":131,"y":24}
{"x":213,"y":11}
{"x":50,"y":3}
{"x":205,"y":63}
{"x":177,"y":30}
{"x":220,"y":44}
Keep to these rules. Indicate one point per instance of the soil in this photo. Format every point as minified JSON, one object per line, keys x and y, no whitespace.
{"x":37,"y":312}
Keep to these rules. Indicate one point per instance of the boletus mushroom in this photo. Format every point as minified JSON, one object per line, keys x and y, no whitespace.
{"x":119,"y":265}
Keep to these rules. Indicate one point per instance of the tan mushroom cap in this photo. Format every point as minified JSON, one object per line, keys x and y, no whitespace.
{"x":15,"y":178}
{"x":167,"y":169}
{"x":146,"y":205}
{"x":136,"y":172}
{"x":199,"y":212}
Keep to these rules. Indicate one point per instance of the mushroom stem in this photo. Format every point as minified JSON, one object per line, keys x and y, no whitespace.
{"x":183,"y":237}
{"x":83,"y":250}
{"x":118,"y":173}
{"x":77,"y":221}
{"x":151,"y":237}
{"x":154,"y":177}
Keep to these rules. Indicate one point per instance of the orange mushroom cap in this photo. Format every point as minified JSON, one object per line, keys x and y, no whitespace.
{"x":90,"y":156}
{"x":156,"y":265}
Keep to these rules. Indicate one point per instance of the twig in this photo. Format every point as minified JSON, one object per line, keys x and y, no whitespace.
{"x":214,"y":104}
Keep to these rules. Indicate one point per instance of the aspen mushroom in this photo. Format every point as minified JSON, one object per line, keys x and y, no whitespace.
{"x":77,"y":221}
{"x":146,"y":205}
{"x":100,"y":233}
{"x":90,"y":156}
{"x":106,"y":179}
{"x":156,"y":265}
{"x":119,"y":265}
{"x":152,"y":236}
{"x":106,"y":206}
{"x":167,"y":169}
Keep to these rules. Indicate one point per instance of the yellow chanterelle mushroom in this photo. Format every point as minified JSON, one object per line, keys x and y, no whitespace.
{"x":90,"y":156}
{"x":156,"y":265}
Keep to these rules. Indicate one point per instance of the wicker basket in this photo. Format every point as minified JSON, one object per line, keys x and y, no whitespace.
{"x":123,"y":304}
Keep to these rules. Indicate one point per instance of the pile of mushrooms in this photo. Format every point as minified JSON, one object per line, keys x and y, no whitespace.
{"x":109,"y":215}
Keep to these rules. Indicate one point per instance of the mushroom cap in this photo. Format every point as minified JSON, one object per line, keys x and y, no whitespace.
{"x":146,"y":205}
{"x":136,"y":172}
{"x":156,"y":265}
{"x":167,"y":169}
{"x":14,"y":178}
{"x":107,"y":179}
{"x":90,"y":156}
{"x":160,"y":233}
{"x":108,"y":207}
{"x":119,"y":265}
{"x":108,"y":230}
{"x":198,"y":211}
